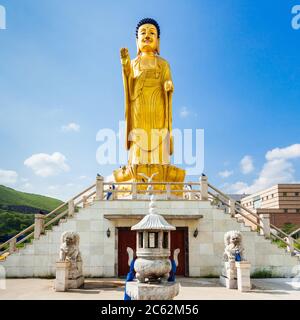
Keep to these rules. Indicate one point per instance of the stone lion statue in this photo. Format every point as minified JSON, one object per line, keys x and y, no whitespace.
{"x":233,"y":246}
{"x":69,"y":251}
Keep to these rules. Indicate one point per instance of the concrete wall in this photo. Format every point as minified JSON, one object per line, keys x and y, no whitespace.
{"x":99,"y":252}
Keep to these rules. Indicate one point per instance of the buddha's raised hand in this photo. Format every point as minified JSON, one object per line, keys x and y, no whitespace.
{"x":124,"y":54}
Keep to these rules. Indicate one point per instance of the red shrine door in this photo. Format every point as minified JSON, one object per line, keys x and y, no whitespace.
{"x":127,"y":238}
{"x":179,"y":239}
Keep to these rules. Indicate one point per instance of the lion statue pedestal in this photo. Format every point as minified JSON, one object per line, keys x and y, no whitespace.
{"x":69,"y":267}
{"x":233,"y":257}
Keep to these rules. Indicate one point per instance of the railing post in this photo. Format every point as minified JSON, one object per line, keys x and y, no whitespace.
{"x":232,"y":207}
{"x":71,"y":208}
{"x":84,"y":201}
{"x":168,"y":187}
{"x":264,"y":222}
{"x":204,"y":187}
{"x":39,"y":222}
{"x":290,"y":246}
{"x":12,"y":245}
{"x":99,"y":187}
{"x":134,"y":191}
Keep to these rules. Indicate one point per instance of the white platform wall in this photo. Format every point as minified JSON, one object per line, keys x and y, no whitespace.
{"x":99,"y":252}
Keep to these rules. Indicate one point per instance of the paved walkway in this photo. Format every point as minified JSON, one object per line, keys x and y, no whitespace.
{"x":113,"y":289}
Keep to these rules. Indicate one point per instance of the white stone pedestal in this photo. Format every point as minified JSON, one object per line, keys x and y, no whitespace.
{"x":66,"y":280}
{"x":75,"y":283}
{"x":76,"y":279}
{"x":145,"y":291}
{"x":243,"y":276}
{"x":229,"y":275}
{"x":62,"y":275}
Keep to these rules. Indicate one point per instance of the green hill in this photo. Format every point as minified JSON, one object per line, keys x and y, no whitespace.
{"x":17,"y":210}
{"x":11,"y":197}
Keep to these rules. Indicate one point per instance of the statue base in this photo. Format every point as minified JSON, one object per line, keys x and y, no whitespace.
{"x":155,"y":291}
{"x":166,"y":173}
{"x":228,"y":283}
{"x":229,"y":275}
{"x":76,"y":283}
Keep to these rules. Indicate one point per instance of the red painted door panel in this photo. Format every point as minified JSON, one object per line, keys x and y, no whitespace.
{"x":178,"y":241}
{"x":126,"y":238}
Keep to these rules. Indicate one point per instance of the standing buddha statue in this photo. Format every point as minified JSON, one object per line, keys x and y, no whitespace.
{"x":148,"y":89}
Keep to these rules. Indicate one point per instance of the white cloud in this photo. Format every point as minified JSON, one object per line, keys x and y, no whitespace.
{"x":184,"y":112}
{"x":237,"y":187}
{"x":246,"y":165}
{"x":290,"y":152}
{"x":225,"y":173}
{"x":8,"y":177}
{"x":46,"y":165}
{"x":277,"y":169}
{"x":273,"y":172}
{"x":71,"y":127}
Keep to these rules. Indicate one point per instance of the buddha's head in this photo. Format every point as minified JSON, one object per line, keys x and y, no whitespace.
{"x":147,"y":36}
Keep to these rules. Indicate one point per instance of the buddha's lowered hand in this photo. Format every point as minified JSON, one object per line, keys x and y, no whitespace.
{"x":168,"y":85}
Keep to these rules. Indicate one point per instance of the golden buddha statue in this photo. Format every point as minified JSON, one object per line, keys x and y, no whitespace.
{"x":148,"y":89}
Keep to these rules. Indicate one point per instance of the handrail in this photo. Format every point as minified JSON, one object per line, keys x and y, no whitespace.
{"x":19,"y":242}
{"x":55,"y":210}
{"x":83,"y":192}
{"x":56,"y":218}
{"x":154,"y":191}
{"x":151,"y":183}
{"x":239,"y":207}
{"x":248,"y":210}
{"x":29,"y":228}
{"x":16,"y":236}
{"x":285,"y":234}
{"x":245,"y":216}
{"x":217,"y":198}
{"x":295,"y":231}
{"x":281,"y":239}
{"x":218,"y":191}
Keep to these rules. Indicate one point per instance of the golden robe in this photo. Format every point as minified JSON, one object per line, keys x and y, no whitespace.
{"x":148,"y":112}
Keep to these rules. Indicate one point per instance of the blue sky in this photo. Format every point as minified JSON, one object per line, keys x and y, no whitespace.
{"x":235,"y":67}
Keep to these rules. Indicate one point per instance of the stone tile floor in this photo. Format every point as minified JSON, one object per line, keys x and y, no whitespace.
{"x":113,"y":289}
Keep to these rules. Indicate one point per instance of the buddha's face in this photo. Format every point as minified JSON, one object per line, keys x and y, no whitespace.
{"x":147,"y":38}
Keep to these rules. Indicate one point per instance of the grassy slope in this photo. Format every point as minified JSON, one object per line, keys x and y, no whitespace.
{"x":10,"y":196}
{"x":13,"y":222}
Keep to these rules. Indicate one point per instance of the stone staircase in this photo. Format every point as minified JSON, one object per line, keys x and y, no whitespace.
{"x":100,"y":253}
